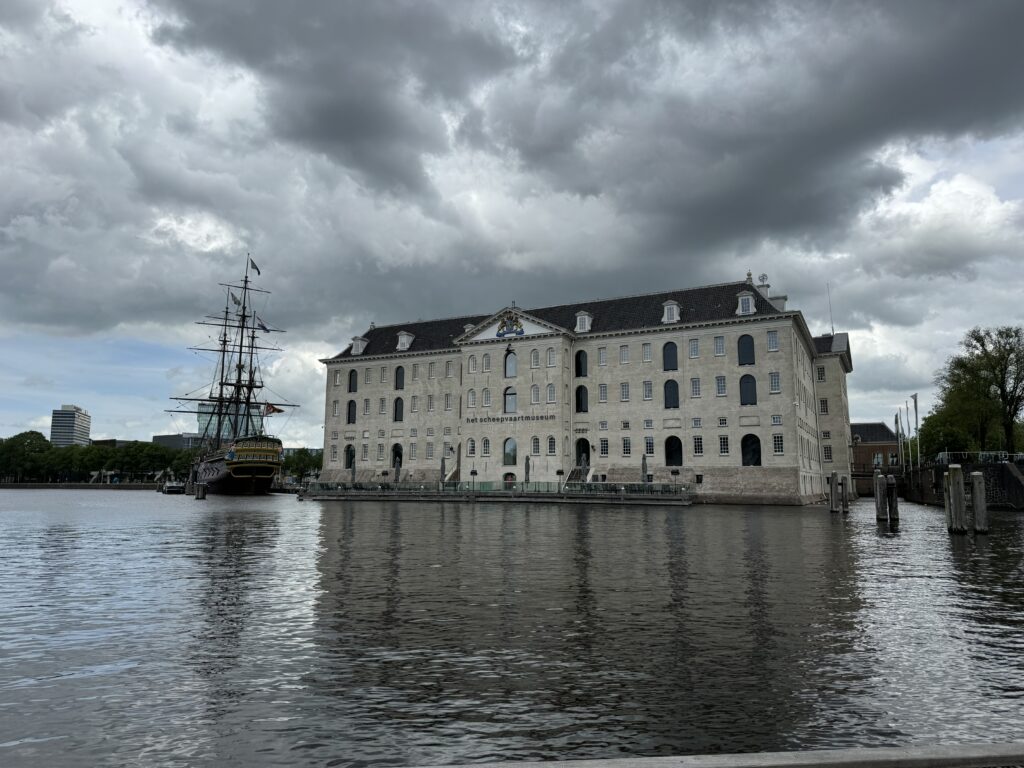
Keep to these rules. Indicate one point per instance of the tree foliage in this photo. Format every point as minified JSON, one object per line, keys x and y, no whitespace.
{"x":302,"y":463}
{"x":981,"y":394}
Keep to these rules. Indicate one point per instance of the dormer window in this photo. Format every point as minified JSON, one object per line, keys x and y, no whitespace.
{"x":745,"y":305}
{"x":671,"y":313}
{"x":359,"y":344}
{"x":404,"y":340}
{"x":583,"y":320}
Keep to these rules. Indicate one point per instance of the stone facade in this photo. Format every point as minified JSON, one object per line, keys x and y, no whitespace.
{"x":700,"y":386}
{"x":832,"y":402}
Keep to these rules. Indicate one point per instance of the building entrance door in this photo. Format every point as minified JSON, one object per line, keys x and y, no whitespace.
{"x":509,"y":479}
{"x":582,"y":452}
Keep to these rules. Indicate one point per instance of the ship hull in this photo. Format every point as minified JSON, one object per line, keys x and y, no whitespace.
{"x":247,"y":469}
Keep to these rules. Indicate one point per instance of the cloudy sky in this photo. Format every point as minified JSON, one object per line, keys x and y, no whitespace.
{"x":390,"y":161}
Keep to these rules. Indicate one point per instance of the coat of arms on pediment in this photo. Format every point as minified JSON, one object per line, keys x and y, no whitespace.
{"x":510,"y":325}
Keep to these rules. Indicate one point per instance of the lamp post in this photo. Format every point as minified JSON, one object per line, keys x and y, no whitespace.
{"x":472,"y":476}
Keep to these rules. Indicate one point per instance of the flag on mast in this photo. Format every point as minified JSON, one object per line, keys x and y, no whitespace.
{"x":270,"y":409}
{"x":261,"y":326}
{"x":253,"y":263}
{"x":235,"y":299}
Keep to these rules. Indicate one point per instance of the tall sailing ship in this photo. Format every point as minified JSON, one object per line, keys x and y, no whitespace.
{"x":237,"y":455}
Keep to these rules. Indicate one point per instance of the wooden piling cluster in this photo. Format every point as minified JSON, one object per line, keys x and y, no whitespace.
{"x":200,"y":491}
{"x":881,"y":509}
{"x":887,"y":502}
{"x":958,"y":518}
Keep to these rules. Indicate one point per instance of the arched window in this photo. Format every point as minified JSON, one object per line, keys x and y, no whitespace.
{"x":485,"y":398}
{"x":353,"y":380}
{"x":671,"y":394}
{"x":673,"y":452}
{"x":350,"y":412}
{"x":534,"y":394}
{"x":400,"y":377}
{"x":670,"y":357}
{"x":750,"y":446}
{"x":486,"y":360}
{"x":748,"y":390}
{"x":510,"y":364}
{"x":551,"y":357}
{"x":471,"y":447}
{"x":510,"y":400}
{"x":551,"y":393}
{"x":581,"y":363}
{"x":508,"y":455}
{"x":581,"y":399}
{"x":399,"y":410}
{"x":552,"y":445}
{"x":535,"y":358}
{"x":472,"y":363}
{"x":535,"y":445}
{"x":485,"y":447}
{"x":745,"y":349}
{"x":471,"y":398}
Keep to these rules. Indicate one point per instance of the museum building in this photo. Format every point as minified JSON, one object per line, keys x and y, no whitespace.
{"x":720,"y":387}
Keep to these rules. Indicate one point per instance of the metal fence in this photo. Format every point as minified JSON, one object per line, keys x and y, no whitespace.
{"x":499,"y":488}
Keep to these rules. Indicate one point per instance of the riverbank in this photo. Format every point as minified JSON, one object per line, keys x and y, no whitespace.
{"x":80,"y":486}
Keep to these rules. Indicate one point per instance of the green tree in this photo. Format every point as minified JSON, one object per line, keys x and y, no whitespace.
{"x":992,"y":366}
{"x":302,"y":463}
{"x":22,"y":456}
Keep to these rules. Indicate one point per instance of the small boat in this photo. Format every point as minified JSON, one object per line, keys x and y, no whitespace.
{"x":173,"y":487}
{"x":238,"y":456}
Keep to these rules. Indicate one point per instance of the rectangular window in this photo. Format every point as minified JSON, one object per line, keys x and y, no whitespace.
{"x":649,"y":445}
{"x":648,"y":390}
{"x":446,"y":450}
{"x":826,"y":434}
{"x":383,"y":374}
{"x":602,"y":425}
{"x":415,"y":371}
{"x":698,"y":446}
{"x":776,"y":419}
{"x":430,"y":450}
{"x":720,"y":386}
{"x":694,"y":387}
{"x":380,"y":451}
{"x":432,"y":370}
{"x":368,"y":376}
{"x":337,"y":378}
{"x":627,"y":447}
{"x":624,"y":425}
{"x":448,"y":368}
{"x":430,"y":431}
{"x":719,"y":346}
{"x":774,"y":382}
{"x":413,"y":432}
{"x":648,"y":423}
{"x":602,"y":356}
{"x":697,"y":422}
{"x":773,"y":341}
{"x":723,"y":421}
{"x":602,"y":393}
{"x":604,"y":446}
{"x":365,"y":453}
{"x":334,"y":453}
{"x":335,"y":408}
{"x":823,"y":406}
{"x":777,"y":445}
{"x":366,"y":406}
{"x":446,"y":431}
{"x":623,"y":354}
{"x":485,"y":447}
{"x":624,"y":391}
{"x":415,"y":403}
{"x":723,"y":445}
{"x":383,"y":406}
{"x":534,"y":395}
{"x":694,"y":348}
{"x":645,"y":352}
{"x":447,"y":401}
{"x":826,"y":452}
{"x":430,"y":403}
{"x":821,"y":373}
{"x":412,"y":451}
{"x":334,"y":435}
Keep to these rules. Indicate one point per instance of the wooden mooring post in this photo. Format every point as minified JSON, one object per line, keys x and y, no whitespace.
{"x":957,"y":500}
{"x":845,"y":494}
{"x":881,"y":512}
{"x":978,"y":502}
{"x":200,"y":491}
{"x":833,"y":492}
{"x":892,"y":500}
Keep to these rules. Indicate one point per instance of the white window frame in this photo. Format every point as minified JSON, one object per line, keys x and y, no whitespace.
{"x":624,"y":392}
{"x":693,"y":346}
{"x":648,"y":390}
{"x":719,"y":346}
{"x":698,"y":445}
{"x":646,"y":352}
{"x":695,"y":387}
{"x":624,"y":354}
{"x":602,"y":393}
{"x":720,"y":386}
{"x":773,"y":341}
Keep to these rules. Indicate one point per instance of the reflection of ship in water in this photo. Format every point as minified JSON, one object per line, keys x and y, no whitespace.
{"x":237,"y":457}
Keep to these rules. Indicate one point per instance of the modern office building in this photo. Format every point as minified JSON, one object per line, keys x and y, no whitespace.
{"x":180,"y":441}
{"x":69,"y":425}
{"x":715,"y":386}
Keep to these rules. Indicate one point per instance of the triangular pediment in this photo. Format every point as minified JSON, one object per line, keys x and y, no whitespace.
{"x":508,"y":324}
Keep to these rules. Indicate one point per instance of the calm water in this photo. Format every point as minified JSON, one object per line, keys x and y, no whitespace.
{"x":137,"y":628}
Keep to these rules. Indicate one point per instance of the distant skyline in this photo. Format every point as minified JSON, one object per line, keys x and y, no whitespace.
{"x":392,"y":161}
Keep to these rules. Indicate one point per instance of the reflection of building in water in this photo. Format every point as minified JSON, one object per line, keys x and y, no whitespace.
{"x":720,"y":386}
{"x":207,"y":419}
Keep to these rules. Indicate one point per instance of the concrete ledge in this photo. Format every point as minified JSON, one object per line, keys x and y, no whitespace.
{"x":506,"y":498}
{"x":958,"y":756}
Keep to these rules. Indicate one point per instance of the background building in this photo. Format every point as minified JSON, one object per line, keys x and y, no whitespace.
{"x":875,"y":446}
{"x":715,"y":386}
{"x":69,"y":425}
{"x":181,"y":441}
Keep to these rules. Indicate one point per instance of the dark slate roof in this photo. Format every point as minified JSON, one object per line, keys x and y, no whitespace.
{"x":696,"y":305}
{"x":836,"y":343}
{"x":873,"y":432}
